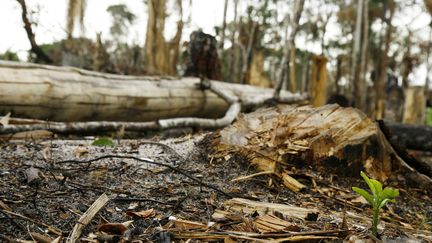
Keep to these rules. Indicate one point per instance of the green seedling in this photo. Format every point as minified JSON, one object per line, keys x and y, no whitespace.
{"x":103,"y":142}
{"x":377,"y":199}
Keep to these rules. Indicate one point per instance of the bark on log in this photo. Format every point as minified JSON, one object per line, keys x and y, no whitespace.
{"x":71,"y":94}
{"x":415,"y":137}
{"x":401,"y":136}
{"x":331,"y":138}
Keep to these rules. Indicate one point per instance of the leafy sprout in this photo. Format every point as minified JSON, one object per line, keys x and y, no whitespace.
{"x":377,"y":199}
{"x":103,"y":141}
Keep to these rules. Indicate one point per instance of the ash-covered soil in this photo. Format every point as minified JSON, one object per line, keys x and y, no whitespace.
{"x":45,"y":187}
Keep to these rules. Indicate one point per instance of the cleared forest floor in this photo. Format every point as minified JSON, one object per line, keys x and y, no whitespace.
{"x":46,"y":186}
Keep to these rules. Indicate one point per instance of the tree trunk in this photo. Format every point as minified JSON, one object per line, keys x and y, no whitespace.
{"x":364,"y":57}
{"x":293,"y":68}
{"x":222,"y":39}
{"x":75,"y":10}
{"x":40,"y":54}
{"x":256,"y":73}
{"x":362,"y":96}
{"x":415,"y":106}
{"x":71,"y":94}
{"x":289,"y":46}
{"x":318,"y":82}
{"x":382,"y":78}
{"x":358,"y":83}
{"x":174,"y":44}
{"x":248,"y":53}
{"x":234,"y":58}
{"x":305,"y":74}
{"x":156,"y":50}
{"x":407,"y":63}
{"x":427,"y":81}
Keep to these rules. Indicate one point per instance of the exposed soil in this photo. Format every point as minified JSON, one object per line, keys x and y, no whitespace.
{"x":42,"y":184}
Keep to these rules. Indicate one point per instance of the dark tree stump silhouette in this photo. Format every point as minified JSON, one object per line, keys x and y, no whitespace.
{"x":203,"y":60}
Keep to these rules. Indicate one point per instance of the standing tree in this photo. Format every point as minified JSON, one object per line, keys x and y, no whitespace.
{"x":355,"y":67}
{"x":156,"y":51}
{"x":251,"y":41}
{"x":41,"y":56}
{"x":234,"y":58}
{"x":359,"y":54}
{"x":122,"y":18}
{"x":174,"y":44}
{"x":387,"y":17}
{"x":361,"y":97}
{"x":222,"y":31}
{"x":428,"y":4}
{"x":288,"y":49}
{"x":161,"y":56}
{"x":75,"y":11}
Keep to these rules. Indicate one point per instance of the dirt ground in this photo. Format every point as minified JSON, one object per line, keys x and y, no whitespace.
{"x":47,"y":185}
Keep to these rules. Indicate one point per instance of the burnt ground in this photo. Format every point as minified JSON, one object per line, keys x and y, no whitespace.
{"x":46,"y":185}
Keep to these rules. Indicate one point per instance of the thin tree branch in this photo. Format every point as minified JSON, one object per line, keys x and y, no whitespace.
{"x":40,"y":54}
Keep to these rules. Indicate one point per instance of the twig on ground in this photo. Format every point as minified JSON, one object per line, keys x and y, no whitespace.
{"x":185,"y":173}
{"x":166,"y":147}
{"x":87,"y":217}
{"x":137,"y":199}
{"x":50,"y":228}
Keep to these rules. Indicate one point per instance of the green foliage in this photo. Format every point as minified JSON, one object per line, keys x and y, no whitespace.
{"x":9,"y":56}
{"x":121,"y":18}
{"x":103,"y":141}
{"x":429,"y":116}
{"x":378,"y":198}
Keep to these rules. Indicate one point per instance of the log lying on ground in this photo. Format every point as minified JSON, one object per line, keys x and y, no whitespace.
{"x":69,"y":94}
{"x":342,"y":140}
{"x":16,"y":126}
{"x":416,"y":137}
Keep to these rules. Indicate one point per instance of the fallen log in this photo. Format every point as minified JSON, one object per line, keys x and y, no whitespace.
{"x":69,"y":94}
{"x":328,"y":138}
{"x":15,"y":126}
{"x":415,"y":137}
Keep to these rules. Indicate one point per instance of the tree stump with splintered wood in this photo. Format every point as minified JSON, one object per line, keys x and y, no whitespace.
{"x":203,"y":60}
{"x":331,"y":138}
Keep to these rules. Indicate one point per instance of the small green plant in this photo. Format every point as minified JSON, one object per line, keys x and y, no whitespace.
{"x":103,"y":141}
{"x":429,"y":116}
{"x":377,"y":199}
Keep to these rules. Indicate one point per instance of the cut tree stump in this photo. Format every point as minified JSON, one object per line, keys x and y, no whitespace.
{"x":66,"y":94}
{"x":331,"y":138}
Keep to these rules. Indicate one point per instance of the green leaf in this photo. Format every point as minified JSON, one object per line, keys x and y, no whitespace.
{"x":364,"y":194}
{"x":388,"y":195}
{"x":368,"y":181}
{"x":378,"y":187}
{"x":103,"y":142}
{"x":390,"y":192}
{"x":383,"y":202}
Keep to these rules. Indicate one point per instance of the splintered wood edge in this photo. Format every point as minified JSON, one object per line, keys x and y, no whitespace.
{"x":245,"y":205}
{"x":87,"y":217}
